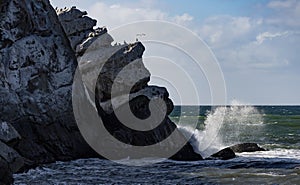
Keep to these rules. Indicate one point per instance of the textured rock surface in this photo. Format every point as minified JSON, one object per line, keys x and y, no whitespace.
{"x":14,"y":160}
{"x":120,"y":78}
{"x":8,"y":134}
{"x":36,"y":69}
{"x":10,"y":160}
{"x":108,"y":61}
{"x":79,"y":28}
{"x":246,"y":147}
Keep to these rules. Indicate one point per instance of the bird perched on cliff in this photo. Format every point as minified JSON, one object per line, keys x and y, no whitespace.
{"x":139,"y":35}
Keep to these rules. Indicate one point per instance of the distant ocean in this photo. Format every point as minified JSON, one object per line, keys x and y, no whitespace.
{"x":276,"y":128}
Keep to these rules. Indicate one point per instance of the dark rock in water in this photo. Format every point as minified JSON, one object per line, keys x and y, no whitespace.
{"x":186,"y":153}
{"x":6,"y":176}
{"x":229,"y":152}
{"x":246,"y":147}
{"x":224,"y":154}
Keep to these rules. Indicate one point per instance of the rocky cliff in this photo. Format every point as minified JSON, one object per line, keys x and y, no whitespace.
{"x":121,"y":79}
{"x":39,"y":52}
{"x":37,"y":64}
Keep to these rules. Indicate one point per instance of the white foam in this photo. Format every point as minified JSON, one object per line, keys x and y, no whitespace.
{"x":276,"y":153}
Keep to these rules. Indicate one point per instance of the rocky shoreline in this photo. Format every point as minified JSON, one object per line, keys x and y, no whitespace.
{"x":40,"y":50}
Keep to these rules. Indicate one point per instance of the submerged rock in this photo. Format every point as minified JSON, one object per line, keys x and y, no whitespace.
{"x":246,"y":147}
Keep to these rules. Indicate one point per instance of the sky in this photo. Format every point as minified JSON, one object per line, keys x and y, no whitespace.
{"x":255,"y":42}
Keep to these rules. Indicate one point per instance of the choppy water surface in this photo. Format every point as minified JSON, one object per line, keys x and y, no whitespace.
{"x":250,"y":170}
{"x":276,"y":128}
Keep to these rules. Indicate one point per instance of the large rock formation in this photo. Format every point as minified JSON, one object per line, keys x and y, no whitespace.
{"x":120,"y":78}
{"x":37,"y":65}
{"x":38,"y":52}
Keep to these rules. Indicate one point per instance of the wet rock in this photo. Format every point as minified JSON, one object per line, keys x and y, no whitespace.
{"x":224,"y":154}
{"x":187,"y":153}
{"x":246,"y":147}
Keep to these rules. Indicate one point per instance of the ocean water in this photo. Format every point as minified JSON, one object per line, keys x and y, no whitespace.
{"x":276,"y":128}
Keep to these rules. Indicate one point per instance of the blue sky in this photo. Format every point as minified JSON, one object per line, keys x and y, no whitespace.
{"x":256,"y":42}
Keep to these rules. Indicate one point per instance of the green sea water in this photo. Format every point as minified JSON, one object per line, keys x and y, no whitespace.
{"x":270,"y":126}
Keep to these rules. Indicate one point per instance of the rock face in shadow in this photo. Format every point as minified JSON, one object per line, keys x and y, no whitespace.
{"x":6,"y":175}
{"x":246,"y":147}
{"x":121,"y":81}
{"x":15,"y":161}
{"x":8,"y":134}
{"x":37,"y":65}
{"x":10,"y":159}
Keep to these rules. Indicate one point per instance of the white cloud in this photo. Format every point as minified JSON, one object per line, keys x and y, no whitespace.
{"x":115,"y":15}
{"x":182,"y":19}
{"x":223,"y":31}
{"x":281,"y":4}
{"x":286,"y":13}
{"x":267,"y":35}
{"x":269,"y":42}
